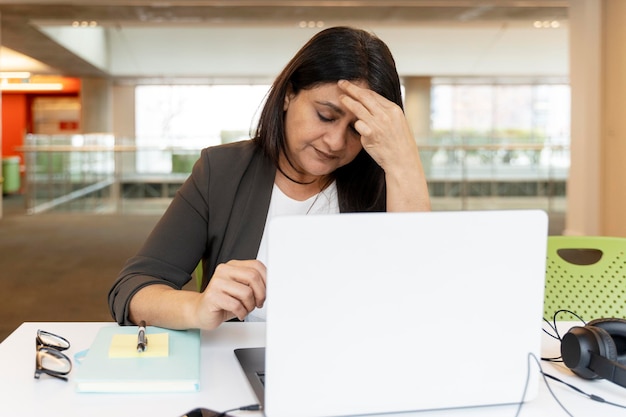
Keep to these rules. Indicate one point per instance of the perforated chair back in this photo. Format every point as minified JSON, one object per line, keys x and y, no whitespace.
{"x":586,"y":275}
{"x":197,"y":273}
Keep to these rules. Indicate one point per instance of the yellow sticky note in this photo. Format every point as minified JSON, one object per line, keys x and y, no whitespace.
{"x":125,"y":346}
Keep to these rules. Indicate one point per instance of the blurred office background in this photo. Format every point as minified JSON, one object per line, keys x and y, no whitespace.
{"x":106,"y":105}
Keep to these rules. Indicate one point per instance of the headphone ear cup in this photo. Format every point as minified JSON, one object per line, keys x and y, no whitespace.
{"x":616,"y":327}
{"x":578,"y":344}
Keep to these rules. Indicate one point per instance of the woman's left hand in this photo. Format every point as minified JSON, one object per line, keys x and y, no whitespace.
{"x":385,"y":133}
{"x":387,"y":138}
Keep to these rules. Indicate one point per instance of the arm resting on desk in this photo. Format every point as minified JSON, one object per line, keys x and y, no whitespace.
{"x":236,"y":288}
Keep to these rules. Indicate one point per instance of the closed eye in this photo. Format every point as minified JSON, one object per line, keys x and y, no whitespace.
{"x":324,"y":119}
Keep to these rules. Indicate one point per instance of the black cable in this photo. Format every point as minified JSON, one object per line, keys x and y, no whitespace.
{"x":555,"y":332}
{"x":519,"y":408}
{"x":558,"y":359}
{"x":580,"y":391}
{"x":554,"y":327}
{"x":251,"y":407}
{"x":569,"y":312}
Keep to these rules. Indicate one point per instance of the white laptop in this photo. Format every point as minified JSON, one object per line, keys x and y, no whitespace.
{"x":394,"y":312}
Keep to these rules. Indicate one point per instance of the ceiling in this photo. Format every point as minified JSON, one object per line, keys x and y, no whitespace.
{"x":23,"y":22}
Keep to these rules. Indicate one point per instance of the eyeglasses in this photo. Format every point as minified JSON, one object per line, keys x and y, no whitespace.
{"x":50,"y":359}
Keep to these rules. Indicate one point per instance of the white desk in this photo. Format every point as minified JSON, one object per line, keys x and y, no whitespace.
{"x":223,"y":385}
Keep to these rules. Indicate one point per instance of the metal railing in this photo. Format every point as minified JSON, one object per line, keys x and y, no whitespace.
{"x":95,"y":173}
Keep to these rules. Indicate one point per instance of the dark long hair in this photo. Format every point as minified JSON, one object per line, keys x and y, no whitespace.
{"x":337,"y":53}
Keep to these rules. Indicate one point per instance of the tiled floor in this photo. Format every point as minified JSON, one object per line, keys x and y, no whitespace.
{"x":60,"y":266}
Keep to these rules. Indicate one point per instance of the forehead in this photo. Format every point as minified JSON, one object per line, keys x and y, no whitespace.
{"x":329,"y":89}
{"x":326,"y":84}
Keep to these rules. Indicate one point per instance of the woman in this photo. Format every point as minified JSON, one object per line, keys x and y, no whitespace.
{"x":332,"y":137}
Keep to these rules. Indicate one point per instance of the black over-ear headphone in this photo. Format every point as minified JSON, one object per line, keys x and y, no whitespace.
{"x":597,"y":350}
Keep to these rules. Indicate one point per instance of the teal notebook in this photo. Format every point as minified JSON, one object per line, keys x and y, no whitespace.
{"x":171,"y":362}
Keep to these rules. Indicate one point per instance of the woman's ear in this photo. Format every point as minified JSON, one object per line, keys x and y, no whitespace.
{"x":289,"y":95}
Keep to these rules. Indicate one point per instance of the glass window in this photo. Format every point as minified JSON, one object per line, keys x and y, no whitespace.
{"x":175,"y":119}
{"x":498,"y":140}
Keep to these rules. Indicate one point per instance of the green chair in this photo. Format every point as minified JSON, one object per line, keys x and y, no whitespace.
{"x":198,"y":274}
{"x":586,"y":275}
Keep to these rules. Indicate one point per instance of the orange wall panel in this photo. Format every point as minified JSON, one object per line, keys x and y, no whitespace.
{"x":14,"y":117}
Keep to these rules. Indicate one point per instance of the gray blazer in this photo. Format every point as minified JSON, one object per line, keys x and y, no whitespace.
{"x":217,"y":215}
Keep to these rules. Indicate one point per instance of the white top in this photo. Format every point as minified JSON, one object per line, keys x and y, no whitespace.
{"x":325,"y":202}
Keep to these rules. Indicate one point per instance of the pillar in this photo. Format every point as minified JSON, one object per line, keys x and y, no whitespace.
{"x":417,"y":110}
{"x":417,"y":107}
{"x":584,"y":180}
{"x":596,"y":196}
{"x":613,"y":139}
{"x":96,"y":105}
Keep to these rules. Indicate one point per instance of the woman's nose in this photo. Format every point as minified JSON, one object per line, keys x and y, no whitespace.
{"x":336,"y":138}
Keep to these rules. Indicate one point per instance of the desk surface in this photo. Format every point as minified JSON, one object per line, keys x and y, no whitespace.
{"x":223,"y":385}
